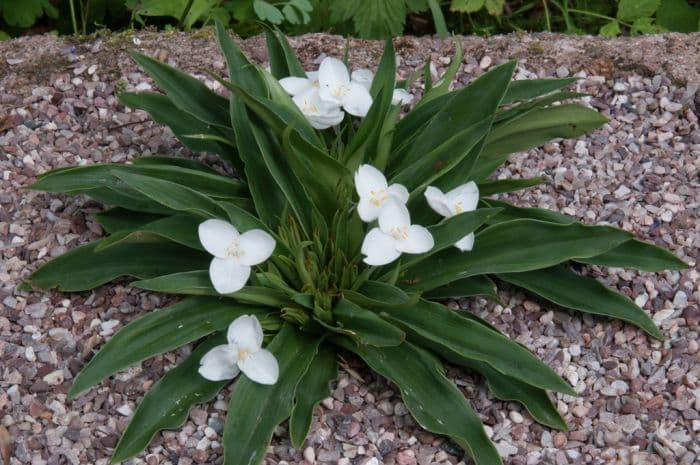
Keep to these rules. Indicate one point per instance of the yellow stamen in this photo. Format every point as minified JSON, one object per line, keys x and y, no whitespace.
{"x":242,"y":354}
{"x":399,"y":233}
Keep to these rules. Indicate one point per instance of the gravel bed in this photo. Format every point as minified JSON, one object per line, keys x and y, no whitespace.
{"x":639,"y":399}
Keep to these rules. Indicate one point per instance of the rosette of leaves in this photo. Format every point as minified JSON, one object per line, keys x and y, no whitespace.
{"x":314,"y":296}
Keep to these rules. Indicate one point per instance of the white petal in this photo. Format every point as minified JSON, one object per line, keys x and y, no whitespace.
{"x":369,"y":179}
{"x":219,"y":363}
{"x":464,"y":198}
{"x":437,"y":201}
{"x":227,"y":275}
{"x":312,"y":75}
{"x":362,"y":77}
{"x":333,"y":73}
{"x":399,"y":192}
{"x":245,"y":333}
{"x":367,"y":210}
{"x":401,"y":96}
{"x":357,"y":100}
{"x":330,"y":118}
{"x":466,"y":243}
{"x":295,"y":85}
{"x":256,"y":246}
{"x":216,"y":236}
{"x":379,"y":248}
{"x":393,"y":215}
{"x":261,"y":367}
{"x":419,"y":240}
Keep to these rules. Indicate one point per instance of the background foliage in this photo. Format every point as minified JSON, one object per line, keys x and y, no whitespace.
{"x":361,"y":18}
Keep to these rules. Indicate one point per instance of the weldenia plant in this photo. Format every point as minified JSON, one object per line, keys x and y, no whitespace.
{"x":342,"y":231}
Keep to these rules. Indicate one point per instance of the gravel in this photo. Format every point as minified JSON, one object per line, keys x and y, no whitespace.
{"x":638,"y":398}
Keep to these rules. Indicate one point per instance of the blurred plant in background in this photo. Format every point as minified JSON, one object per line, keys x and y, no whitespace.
{"x":370,"y":19}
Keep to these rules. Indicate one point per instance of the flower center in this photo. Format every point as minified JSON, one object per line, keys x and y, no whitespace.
{"x":309,"y":108}
{"x":234,"y":250}
{"x":340,"y":91}
{"x":458,"y":208}
{"x":378,"y":197}
{"x":242,"y":354}
{"x":399,"y":233}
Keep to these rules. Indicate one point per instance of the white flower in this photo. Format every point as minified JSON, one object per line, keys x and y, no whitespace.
{"x":362,"y":76}
{"x":394,"y":236}
{"x":320,"y":114}
{"x":401,"y":96}
{"x":336,"y":88}
{"x":373,"y":190}
{"x":243,"y":352}
{"x":294,"y":85}
{"x":459,"y":200}
{"x":234,"y":253}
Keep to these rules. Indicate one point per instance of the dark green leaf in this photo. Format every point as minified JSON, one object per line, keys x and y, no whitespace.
{"x":507,"y":185}
{"x":527,"y":89}
{"x":467,"y":287}
{"x":366,"y":327}
{"x":188,"y":93}
{"x":168,"y":402}
{"x":173,"y":196}
{"x":84,"y":268}
{"x":639,"y":255}
{"x":255,"y":410}
{"x":429,"y":321}
{"x":117,"y":219}
{"x":376,"y":294}
{"x":179,"y":229}
{"x":678,"y":15}
{"x":532,"y":129}
{"x":511,"y":212}
{"x":436,"y":404}
{"x":630,"y":10}
{"x":514,"y":246}
{"x":187,"y":163}
{"x":163,"y":111}
{"x":565,"y":288}
{"x":313,"y":388}
{"x":158,"y":332}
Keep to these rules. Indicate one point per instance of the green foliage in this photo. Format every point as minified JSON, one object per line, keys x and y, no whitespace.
{"x":316,"y":295}
{"x":26,"y":12}
{"x":372,"y":19}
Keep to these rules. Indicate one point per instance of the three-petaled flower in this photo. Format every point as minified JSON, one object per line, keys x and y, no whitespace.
{"x":394,"y":236}
{"x":459,"y":200}
{"x":243,"y":352}
{"x":374,"y":191}
{"x":234,"y":253}
{"x":336,"y":87}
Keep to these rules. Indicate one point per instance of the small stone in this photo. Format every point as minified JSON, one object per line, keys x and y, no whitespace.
{"x":506,"y":449}
{"x":680,"y":300}
{"x":54,"y":378}
{"x":199,"y":416}
{"x":559,"y":440}
{"x":125,"y":410}
{"x":622,"y":192}
{"x":37,"y":310}
{"x":516,"y":417}
{"x":579,"y":411}
{"x":485,"y":62}
{"x":619,"y":87}
{"x":562,"y":71}
{"x":310,"y":455}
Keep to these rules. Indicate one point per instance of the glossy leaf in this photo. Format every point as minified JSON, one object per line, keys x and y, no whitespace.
{"x":83,"y":268}
{"x":188,"y":93}
{"x":164,"y":111}
{"x":638,"y":255}
{"x":511,"y":212}
{"x":174,"y":196}
{"x":467,"y":287}
{"x":376,"y":294}
{"x":436,"y":404}
{"x":158,"y":332}
{"x":167,"y":403}
{"x":179,"y":228}
{"x":366,"y":327}
{"x":527,"y":89}
{"x":568,"y":289}
{"x":255,"y":410}
{"x":118,"y":219}
{"x":513,"y":246}
{"x":199,"y":283}
{"x":507,"y":185}
{"x":531,"y":130}
{"x":313,"y":388}
{"x":429,"y":321}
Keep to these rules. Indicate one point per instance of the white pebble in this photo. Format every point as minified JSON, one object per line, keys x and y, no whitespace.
{"x":125,"y":410}
{"x":485,"y":62}
{"x":310,"y":455}
{"x":54,"y":378}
